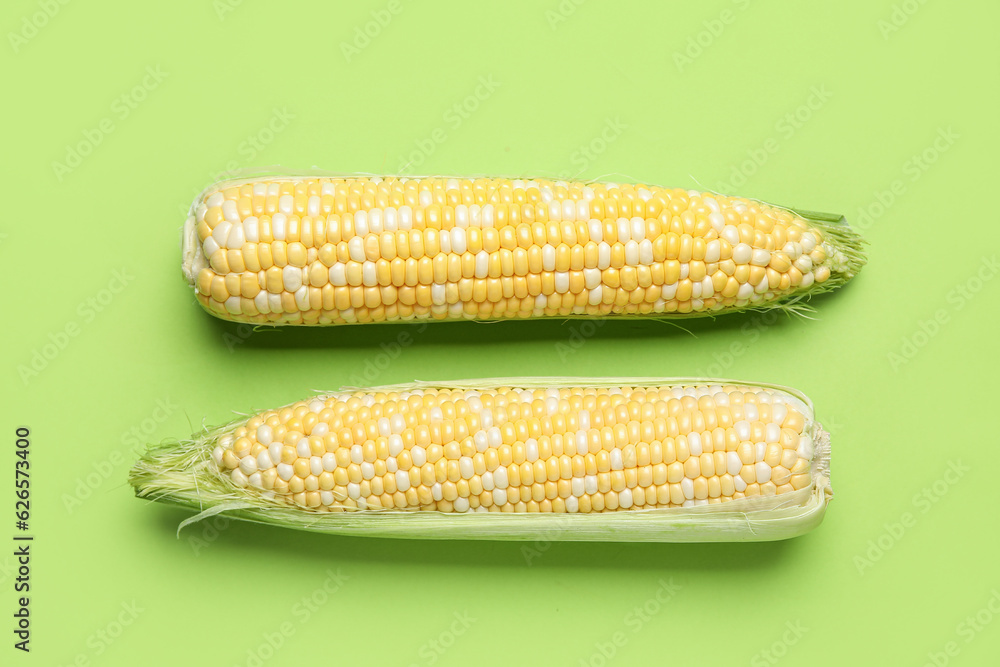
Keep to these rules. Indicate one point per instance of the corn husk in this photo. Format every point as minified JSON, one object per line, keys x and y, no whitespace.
{"x":182,"y":473}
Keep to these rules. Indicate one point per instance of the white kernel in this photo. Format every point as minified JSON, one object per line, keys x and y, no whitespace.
{"x":278,"y":221}
{"x":436,"y":492}
{"x":530,"y":450}
{"x":326,"y":498}
{"x":603,"y":255}
{"x":356,"y":248}
{"x":302,"y":448}
{"x":286,"y":204}
{"x":402,"y":480}
{"x":631,"y":253}
{"x":357,"y":454}
{"x":221,"y":233}
{"x":494,"y":437}
{"x":264,"y":434}
{"x":548,"y":257}
{"x":461,"y":504}
{"x":465,"y":467}
{"x":248,"y":464}
{"x":209,"y":247}
{"x":805,"y":448}
{"x":763,"y":472}
{"x":687,"y":486}
{"x":742,"y":253}
{"x":274,"y":452}
{"x":329,"y":462}
{"x":760,"y":257}
{"x":316,"y":465}
{"x":596,"y":229}
{"x":285,"y":471}
{"x":590,"y":483}
{"x":499,"y":496}
{"x":625,"y":497}
{"x":694,"y":444}
{"x":772,"y":432}
{"x":459,"y":240}
{"x":264,"y":461}
{"x":730,"y":234}
{"x":742,"y":428}
{"x":733,"y":463}
{"x":616,"y":459}
{"x":717,"y":220}
{"x":572,"y":504}
{"x":239,"y":479}
{"x":500,"y":478}
{"x":739,"y":483}
{"x":577,"y":486}
{"x":395,"y":442}
{"x":487,"y":480}
{"x":291,"y":278}
{"x":230,"y":212}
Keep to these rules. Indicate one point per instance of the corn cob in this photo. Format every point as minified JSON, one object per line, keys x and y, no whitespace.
{"x":655,"y":460}
{"x":331,"y":250}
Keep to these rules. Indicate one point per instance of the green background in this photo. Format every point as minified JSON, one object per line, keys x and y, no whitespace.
{"x":885,"y":112}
